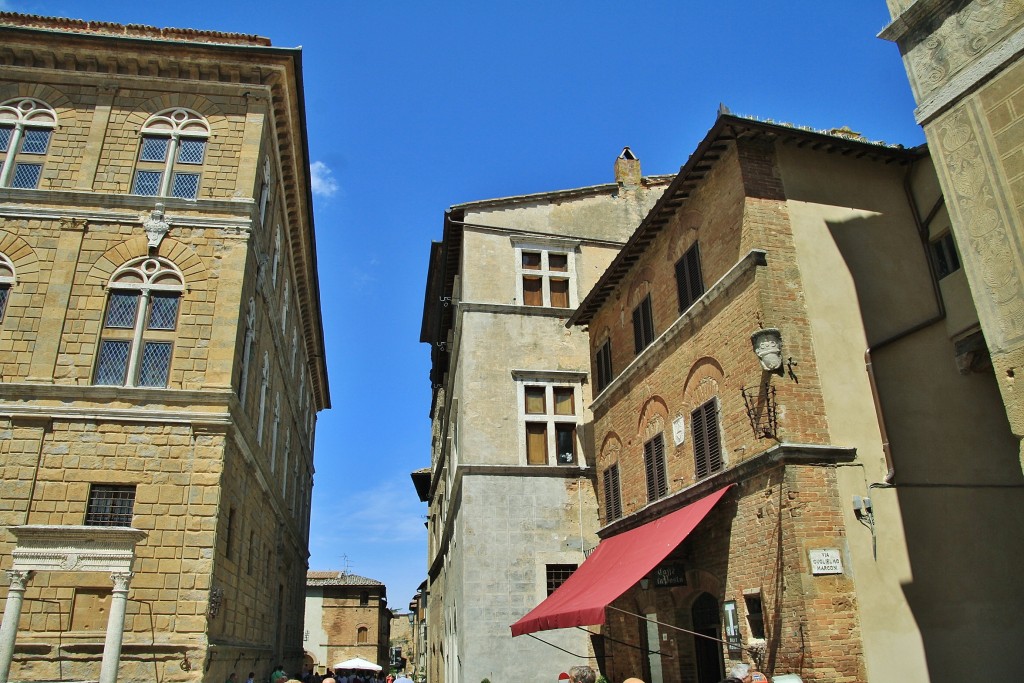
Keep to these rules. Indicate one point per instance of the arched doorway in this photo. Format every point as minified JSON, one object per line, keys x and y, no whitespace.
{"x":706,"y":620}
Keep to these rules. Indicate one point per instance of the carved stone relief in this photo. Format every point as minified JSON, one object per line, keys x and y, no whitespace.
{"x":988,"y":233}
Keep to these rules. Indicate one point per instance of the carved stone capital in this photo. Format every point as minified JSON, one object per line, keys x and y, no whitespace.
{"x":121,"y":581}
{"x":18,"y":578}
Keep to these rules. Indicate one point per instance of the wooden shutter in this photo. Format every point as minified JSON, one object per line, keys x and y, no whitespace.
{"x":707,"y":447}
{"x":643,"y":325}
{"x":604,"y":365}
{"x":536,"y":443}
{"x":654,"y":468}
{"x":559,"y":292}
{"x":533,"y":293}
{"x":612,"y":494}
{"x":689,"y":282}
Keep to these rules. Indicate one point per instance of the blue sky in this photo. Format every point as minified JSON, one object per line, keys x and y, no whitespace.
{"x":414,"y":106}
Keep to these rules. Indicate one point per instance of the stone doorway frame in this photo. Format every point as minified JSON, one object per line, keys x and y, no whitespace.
{"x":44,"y":547}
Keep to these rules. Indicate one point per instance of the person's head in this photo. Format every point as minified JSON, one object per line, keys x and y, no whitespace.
{"x":252,"y":674}
{"x":582,"y":674}
{"x":740,"y":672}
{"x":632,"y":680}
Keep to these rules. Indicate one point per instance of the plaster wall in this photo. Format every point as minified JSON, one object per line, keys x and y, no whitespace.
{"x":313,"y":624}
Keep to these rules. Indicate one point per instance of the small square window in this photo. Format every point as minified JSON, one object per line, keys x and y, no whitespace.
{"x":112,"y":364}
{"x":147,"y":183}
{"x":36,"y":141}
{"x":163,"y":311}
{"x":155,"y":364}
{"x":121,"y":309}
{"x":110,"y":505}
{"x":533,"y":291}
{"x":535,"y":401}
{"x":191,"y":151}
{"x":565,"y":403}
{"x":536,"y":443}
{"x":947,"y":261}
{"x":186,"y":185}
{"x":559,"y":262}
{"x":557,"y":574}
{"x":153,"y":149}
{"x":559,"y":293}
{"x":531,"y":260}
{"x":565,"y":443}
{"x":26,"y":176}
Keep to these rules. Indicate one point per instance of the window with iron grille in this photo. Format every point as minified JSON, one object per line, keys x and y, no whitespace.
{"x":689,"y":283}
{"x":110,"y":505}
{"x":26,"y":126}
{"x":707,"y":446}
{"x":612,"y":494}
{"x":603,"y":363}
{"x":172,"y":145}
{"x":557,"y":574}
{"x":138,"y":328}
{"x":654,"y":468}
{"x":643,"y":325}
{"x":755,"y":615}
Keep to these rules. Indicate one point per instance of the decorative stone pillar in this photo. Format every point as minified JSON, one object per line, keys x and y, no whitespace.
{"x":115,"y":627}
{"x":12,"y":613}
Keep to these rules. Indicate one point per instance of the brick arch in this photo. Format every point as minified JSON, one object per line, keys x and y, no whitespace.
{"x":60,"y":102}
{"x":640,"y":287}
{"x":179,"y":253}
{"x":598,"y":338}
{"x":21,"y":253}
{"x":688,"y":222}
{"x":703,"y":382}
{"x":214,"y":115}
{"x":653,"y":418}
{"x":700,"y":581}
{"x":611,"y":447}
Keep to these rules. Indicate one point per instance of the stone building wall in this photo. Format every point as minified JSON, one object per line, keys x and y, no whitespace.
{"x":223,"y":472}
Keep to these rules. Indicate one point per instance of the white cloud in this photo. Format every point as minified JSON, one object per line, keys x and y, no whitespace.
{"x":321,"y":178}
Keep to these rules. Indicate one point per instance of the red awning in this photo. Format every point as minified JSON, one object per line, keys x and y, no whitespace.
{"x":616,"y":564}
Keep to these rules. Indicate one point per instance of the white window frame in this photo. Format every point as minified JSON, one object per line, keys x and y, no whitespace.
{"x":546,"y":247}
{"x":25,"y":113}
{"x":174,"y":124}
{"x":145,"y":276}
{"x":550,"y":380}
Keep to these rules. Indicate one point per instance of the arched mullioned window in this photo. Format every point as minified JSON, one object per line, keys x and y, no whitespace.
{"x":171,"y":154}
{"x":26,"y":126}
{"x":139,"y":324}
{"x":6,"y":282}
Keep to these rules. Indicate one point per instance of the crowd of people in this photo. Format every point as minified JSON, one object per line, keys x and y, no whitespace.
{"x":330,"y":676}
{"x":740,"y":673}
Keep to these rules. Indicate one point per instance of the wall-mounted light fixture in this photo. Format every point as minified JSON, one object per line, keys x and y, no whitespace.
{"x":767,"y":343}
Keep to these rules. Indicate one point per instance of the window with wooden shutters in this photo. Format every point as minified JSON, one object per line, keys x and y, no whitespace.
{"x":603,"y":363}
{"x":643,"y":325}
{"x":549,"y":415}
{"x":654,"y":467}
{"x":689,"y":282}
{"x":545,"y":272}
{"x":707,"y":446}
{"x":612,"y":494}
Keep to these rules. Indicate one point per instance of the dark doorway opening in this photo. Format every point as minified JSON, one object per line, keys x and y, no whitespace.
{"x":707,"y":619}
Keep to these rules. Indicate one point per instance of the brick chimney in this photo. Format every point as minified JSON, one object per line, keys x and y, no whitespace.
{"x":627,"y":170}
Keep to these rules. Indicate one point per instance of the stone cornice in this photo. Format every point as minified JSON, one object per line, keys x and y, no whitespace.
{"x":778,"y":455}
{"x":689,"y":318}
{"x":74,"y":548}
{"x":96,"y":207}
{"x":86,"y":402}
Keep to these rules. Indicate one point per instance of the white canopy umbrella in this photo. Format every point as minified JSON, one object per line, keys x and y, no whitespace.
{"x":357,"y":663}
